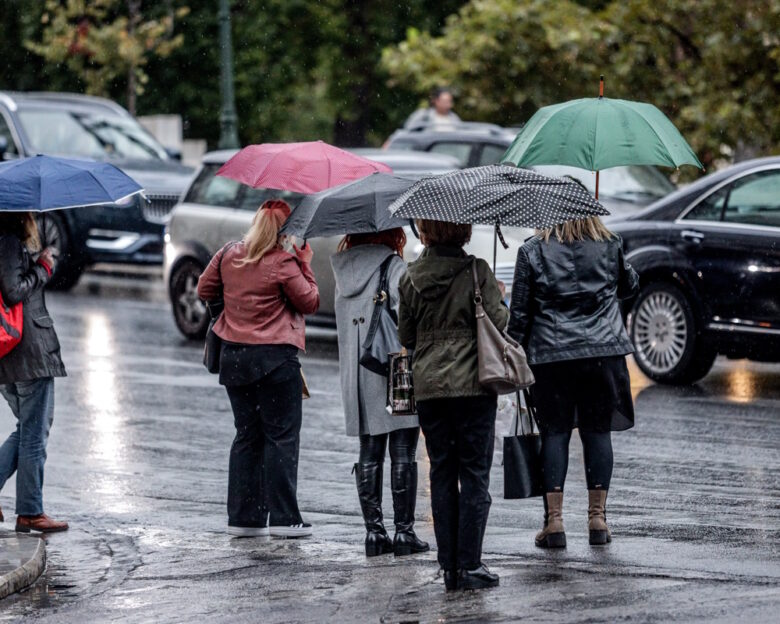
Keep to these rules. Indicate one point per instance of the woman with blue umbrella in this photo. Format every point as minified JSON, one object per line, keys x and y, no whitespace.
{"x":29,"y":348}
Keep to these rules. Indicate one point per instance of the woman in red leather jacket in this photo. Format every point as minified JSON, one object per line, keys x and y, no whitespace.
{"x":266,"y":292}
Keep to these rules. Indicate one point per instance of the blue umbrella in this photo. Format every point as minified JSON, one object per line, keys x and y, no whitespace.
{"x":45,"y":183}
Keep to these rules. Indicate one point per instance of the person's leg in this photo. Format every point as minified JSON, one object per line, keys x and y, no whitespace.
{"x":476,"y":422}
{"x":368,"y":477}
{"x":281,"y":410}
{"x":9,"y":451}
{"x":437,"y":424}
{"x":403,"y":450}
{"x":246,"y":497}
{"x":36,"y":413}
{"x":555,"y":460}
{"x":597,"y":451}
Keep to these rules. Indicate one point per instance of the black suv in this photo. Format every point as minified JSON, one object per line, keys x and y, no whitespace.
{"x":708,"y":257}
{"x":79,"y":126}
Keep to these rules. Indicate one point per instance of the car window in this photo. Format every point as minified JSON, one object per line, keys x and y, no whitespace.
{"x":755,"y":200}
{"x":491,"y":154}
{"x":461,"y":151}
{"x":710,"y":209}
{"x":5,"y":132}
{"x":252,"y":198}
{"x":213,"y":190}
{"x":634,"y":183}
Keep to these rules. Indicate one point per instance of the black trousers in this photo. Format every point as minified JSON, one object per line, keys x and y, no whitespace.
{"x":403,"y":446}
{"x":263,"y":474}
{"x":459,"y":436}
{"x":597,"y":453}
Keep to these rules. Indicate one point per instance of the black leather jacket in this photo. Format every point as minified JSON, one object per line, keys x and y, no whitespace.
{"x":565,"y":299}
{"x":38,"y":353}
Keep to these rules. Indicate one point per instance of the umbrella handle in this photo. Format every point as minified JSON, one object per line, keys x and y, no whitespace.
{"x":414,"y":229}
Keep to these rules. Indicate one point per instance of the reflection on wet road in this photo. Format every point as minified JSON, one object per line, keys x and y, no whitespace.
{"x":138,"y":465}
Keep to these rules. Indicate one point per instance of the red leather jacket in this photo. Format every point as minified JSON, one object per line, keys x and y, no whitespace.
{"x":264,"y":301}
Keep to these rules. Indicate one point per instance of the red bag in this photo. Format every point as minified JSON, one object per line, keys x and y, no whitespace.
{"x":10,"y":327}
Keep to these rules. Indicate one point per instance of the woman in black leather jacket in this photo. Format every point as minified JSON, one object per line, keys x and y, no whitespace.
{"x":565,"y":312}
{"x":27,"y":372}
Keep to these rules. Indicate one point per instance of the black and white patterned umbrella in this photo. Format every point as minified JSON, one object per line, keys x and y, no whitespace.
{"x":497,"y":195}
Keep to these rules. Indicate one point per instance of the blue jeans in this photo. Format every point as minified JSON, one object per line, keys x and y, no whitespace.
{"x":24,"y":452}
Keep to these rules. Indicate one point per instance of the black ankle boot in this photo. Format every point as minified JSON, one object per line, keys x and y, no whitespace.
{"x":450,"y":580}
{"x":368,"y":477}
{"x":403,"y":482}
{"x":481,"y":578}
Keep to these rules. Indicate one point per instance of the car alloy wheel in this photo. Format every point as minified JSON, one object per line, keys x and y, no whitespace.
{"x":660,"y":332}
{"x":189,"y":311}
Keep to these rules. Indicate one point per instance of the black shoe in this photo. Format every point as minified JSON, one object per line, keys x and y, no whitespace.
{"x":368,"y":478}
{"x":450,"y":580}
{"x":378,"y":543}
{"x":481,"y":578}
{"x":403,"y":483}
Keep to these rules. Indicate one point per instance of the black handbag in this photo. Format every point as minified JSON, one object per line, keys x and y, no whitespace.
{"x":523,"y":457}
{"x":213,"y":345}
{"x":382,"y":338}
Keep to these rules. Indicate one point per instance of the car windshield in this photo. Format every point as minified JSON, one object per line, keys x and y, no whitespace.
{"x":101,"y":137}
{"x":635,"y":182}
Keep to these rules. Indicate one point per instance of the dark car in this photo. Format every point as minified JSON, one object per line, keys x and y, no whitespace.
{"x":708,"y":257}
{"x":622,"y":190}
{"x":79,"y":126}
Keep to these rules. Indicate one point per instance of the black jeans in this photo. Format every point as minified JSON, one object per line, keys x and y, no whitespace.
{"x":263,"y":475}
{"x":597,"y":452}
{"x":403,"y":446}
{"x":459,"y":436}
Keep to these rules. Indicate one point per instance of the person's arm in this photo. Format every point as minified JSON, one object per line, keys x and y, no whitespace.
{"x":520,"y":308}
{"x":16,"y":283}
{"x":492,"y":300}
{"x":299,"y":285}
{"x":407,"y":328}
{"x":210,"y":282}
{"x":628,"y":280}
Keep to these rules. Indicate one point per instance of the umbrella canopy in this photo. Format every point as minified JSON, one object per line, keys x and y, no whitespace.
{"x":307,"y":167}
{"x":599,"y":133}
{"x":45,"y":183}
{"x":352,"y":208}
{"x":497,"y":195}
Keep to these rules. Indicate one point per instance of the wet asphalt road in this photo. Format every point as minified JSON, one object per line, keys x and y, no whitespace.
{"x":138,"y":465}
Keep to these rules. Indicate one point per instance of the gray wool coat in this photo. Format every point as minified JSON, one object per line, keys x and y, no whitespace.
{"x":364,"y":393}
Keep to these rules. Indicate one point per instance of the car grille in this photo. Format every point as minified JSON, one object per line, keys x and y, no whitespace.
{"x":158,"y":208}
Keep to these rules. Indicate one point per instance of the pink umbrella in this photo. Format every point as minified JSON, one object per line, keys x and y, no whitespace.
{"x":301,"y":167}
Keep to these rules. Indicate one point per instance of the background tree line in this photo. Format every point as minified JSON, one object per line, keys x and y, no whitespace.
{"x":350,"y":71}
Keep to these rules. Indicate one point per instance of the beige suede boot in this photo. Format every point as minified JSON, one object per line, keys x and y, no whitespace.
{"x":552,"y":535}
{"x":597,"y":518}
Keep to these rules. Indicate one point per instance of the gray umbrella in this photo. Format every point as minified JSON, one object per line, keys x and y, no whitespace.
{"x":352,"y":208}
{"x":497,"y":195}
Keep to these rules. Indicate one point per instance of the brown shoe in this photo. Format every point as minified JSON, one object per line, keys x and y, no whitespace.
{"x":597,"y":518}
{"x":552,"y":535}
{"x":41,"y":523}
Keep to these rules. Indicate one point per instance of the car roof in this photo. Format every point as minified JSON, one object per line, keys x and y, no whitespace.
{"x":398,"y":160}
{"x":13,"y":99}
{"x":670,"y":206}
{"x":466,"y":132}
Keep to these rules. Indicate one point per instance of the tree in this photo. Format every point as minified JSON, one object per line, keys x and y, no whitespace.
{"x":106,"y":41}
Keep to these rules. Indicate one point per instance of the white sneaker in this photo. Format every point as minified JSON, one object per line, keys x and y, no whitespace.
{"x":294,"y":530}
{"x":248,"y":531}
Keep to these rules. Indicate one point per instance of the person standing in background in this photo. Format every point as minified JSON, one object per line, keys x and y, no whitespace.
{"x":438,"y":115}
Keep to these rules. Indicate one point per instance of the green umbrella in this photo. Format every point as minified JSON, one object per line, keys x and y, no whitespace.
{"x":599,"y":133}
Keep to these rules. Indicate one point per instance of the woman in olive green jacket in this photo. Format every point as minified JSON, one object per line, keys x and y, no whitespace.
{"x":436,"y":319}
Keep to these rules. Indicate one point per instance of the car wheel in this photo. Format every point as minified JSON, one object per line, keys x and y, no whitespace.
{"x":189,"y":311}
{"x":666,"y":336}
{"x":68,"y":267}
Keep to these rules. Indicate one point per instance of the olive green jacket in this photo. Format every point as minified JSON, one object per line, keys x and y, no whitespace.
{"x":436,"y":319}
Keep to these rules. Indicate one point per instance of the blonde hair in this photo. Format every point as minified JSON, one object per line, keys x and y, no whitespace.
{"x":591,"y":228}
{"x":24,"y":226}
{"x":263,"y":236}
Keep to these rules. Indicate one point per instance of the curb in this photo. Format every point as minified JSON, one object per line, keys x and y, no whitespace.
{"x":26,"y":574}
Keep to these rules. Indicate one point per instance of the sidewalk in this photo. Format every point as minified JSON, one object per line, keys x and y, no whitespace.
{"x":22,"y":560}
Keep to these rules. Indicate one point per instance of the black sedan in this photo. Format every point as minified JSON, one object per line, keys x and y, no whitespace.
{"x":708,"y":257}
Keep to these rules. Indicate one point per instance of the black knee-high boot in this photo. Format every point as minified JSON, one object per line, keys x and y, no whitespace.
{"x":368,"y":477}
{"x":403,"y":482}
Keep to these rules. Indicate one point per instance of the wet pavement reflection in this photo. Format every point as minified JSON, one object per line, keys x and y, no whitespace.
{"x":138,"y":465}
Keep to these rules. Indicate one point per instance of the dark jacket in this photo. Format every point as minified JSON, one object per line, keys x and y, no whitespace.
{"x":38,"y":353}
{"x":565,"y":299}
{"x":436,"y":319}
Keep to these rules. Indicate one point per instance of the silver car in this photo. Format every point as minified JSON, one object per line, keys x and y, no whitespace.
{"x":215,"y":210}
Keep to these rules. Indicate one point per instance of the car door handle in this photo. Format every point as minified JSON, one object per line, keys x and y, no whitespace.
{"x":692,"y":236}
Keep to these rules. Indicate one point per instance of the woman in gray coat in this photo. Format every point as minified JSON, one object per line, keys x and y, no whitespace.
{"x":357,"y":268}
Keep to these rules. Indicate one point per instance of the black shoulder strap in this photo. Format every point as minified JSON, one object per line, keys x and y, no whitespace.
{"x":222,"y":257}
{"x":384,"y":270}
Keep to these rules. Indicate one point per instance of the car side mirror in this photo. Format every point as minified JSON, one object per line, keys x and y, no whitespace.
{"x":173,"y":153}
